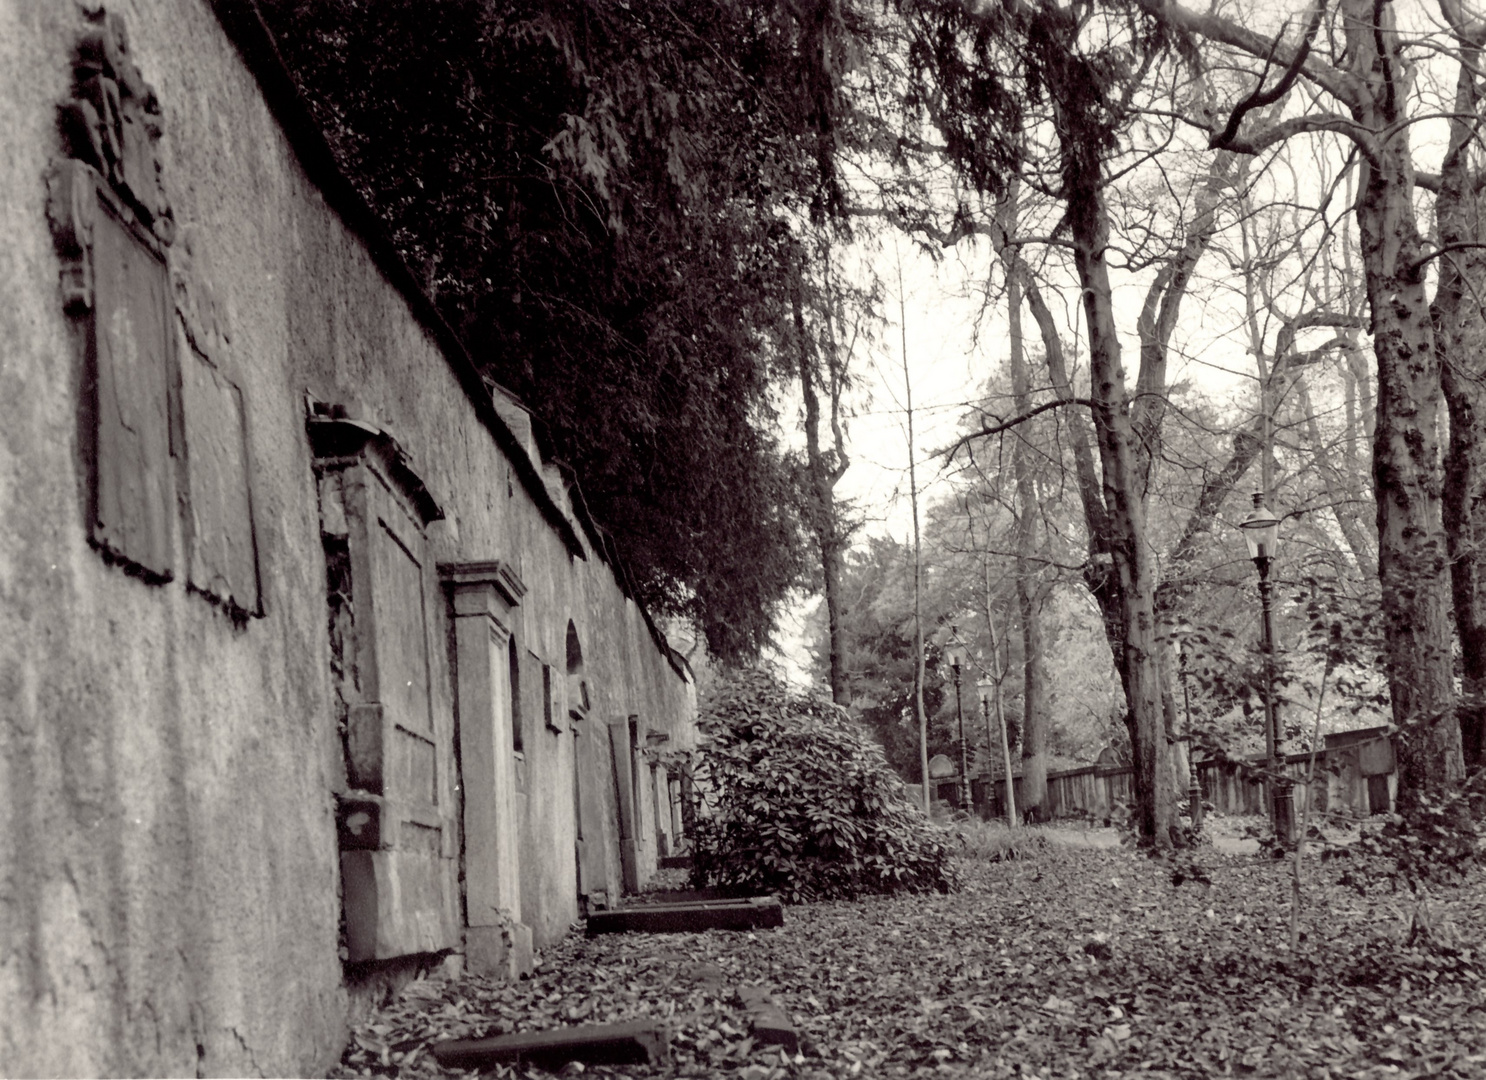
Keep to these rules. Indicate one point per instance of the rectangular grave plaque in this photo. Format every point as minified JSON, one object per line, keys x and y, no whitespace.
{"x":131,"y":379}
{"x":223,"y":551}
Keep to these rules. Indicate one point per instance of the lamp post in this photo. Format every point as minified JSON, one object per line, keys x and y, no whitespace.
{"x":1261,"y":531}
{"x":956,"y":654}
{"x":1194,"y":783}
{"x":990,"y":690}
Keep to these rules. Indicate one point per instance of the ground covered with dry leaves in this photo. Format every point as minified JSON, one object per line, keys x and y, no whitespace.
{"x":1066,"y":963}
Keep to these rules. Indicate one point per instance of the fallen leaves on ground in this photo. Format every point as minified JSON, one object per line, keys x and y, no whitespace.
{"x":1068,"y":964}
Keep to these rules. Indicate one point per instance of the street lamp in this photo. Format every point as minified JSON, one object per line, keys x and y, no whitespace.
{"x":1261,"y":531}
{"x":990,"y":690}
{"x":956,"y":656}
{"x":1194,"y":782}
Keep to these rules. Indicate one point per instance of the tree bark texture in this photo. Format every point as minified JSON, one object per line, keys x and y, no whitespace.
{"x":821,"y":481}
{"x":1459,"y":341}
{"x":1407,"y":474}
{"x":1035,"y":717}
{"x":1028,"y":591}
{"x":1130,"y":558}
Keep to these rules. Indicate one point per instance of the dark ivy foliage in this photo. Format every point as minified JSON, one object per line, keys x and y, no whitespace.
{"x":986,"y":74}
{"x":798,"y":800}
{"x":595,"y":193}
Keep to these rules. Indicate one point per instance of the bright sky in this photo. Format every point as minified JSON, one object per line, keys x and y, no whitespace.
{"x":943,"y":308}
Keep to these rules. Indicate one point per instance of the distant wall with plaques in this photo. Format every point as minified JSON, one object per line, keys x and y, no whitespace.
{"x":312,"y":673}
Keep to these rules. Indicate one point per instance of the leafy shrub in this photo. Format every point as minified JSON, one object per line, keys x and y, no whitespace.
{"x":796,"y":799}
{"x":1435,"y":844}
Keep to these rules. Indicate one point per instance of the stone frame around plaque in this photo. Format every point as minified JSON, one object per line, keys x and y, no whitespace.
{"x":115,"y":279}
{"x":163,"y":425}
{"x":396,"y":808}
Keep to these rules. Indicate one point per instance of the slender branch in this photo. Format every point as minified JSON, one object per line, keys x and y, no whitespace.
{"x":1261,"y":97}
{"x":1418,"y":264}
{"x":1299,"y":125}
{"x":1005,"y":425}
{"x":1339,"y":84}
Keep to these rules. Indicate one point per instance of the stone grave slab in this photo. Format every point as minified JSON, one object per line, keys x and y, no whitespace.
{"x":771,"y":1024}
{"x":643,"y":1042}
{"x":751,"y":913}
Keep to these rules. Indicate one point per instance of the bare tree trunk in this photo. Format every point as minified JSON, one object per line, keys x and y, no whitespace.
{"x":1459,"y":340}
{"x":1123,"y":504}
{"x":1028,"y":594}
{"x":998,"y":676}
{"x":823,"y":475}
{"x":1098,"y":571}
{"x":1155,"y":326}
{"x":1357,"y":533}
{"x":1407,"y":475}
{"x":918,"y":620}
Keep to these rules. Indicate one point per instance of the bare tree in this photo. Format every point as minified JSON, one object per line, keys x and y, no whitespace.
{"x":1359,"y":85}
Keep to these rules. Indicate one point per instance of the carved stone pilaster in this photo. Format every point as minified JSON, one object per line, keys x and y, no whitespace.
{"x":483,"y":598}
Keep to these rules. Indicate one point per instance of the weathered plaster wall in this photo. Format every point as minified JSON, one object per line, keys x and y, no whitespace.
{"x":168,"y":854}
{"x":168,"y":901}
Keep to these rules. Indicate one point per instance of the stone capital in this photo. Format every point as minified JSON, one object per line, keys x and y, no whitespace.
{"x":488,"y":588}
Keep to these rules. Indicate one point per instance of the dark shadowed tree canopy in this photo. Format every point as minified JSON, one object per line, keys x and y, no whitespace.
{"x":599,"y":196}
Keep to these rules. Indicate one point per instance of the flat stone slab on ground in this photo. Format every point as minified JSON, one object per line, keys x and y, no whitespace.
{"x":710,"y":894}
{"x":771,"y":1024}
{"x":645,"y":1042}
{"x":752,"y":913}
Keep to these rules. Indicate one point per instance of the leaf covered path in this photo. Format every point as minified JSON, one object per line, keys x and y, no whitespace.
{"x":1067,"y":964}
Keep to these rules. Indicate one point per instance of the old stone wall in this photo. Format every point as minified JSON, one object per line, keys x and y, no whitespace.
{"x":225,"y":647}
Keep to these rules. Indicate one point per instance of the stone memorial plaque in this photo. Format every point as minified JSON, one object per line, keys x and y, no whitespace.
{"x":222,"y":549}
{"x":131,"y":364}
{"x":402,"y":638}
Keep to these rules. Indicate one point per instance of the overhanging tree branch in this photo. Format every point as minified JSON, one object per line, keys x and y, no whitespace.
{"x":949,"y":452}
{"x":1419,"y":264}
{"x":1261,"y":97}
{"x":1339,"y":84}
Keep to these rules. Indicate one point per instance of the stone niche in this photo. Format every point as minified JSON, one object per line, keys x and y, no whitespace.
{"x":163,"y":434}
{"x":395,"y":815}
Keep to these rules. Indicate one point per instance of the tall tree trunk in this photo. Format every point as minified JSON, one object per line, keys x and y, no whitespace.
{"x":998,"y":677}
{"x":1155,"y":326}
{"x":1458,"y":341}
{"x":1124,"y":507}
{"x":1359,"y":416}
{"x":1407,"y":475}
{"x":1098,"y":572}
{"x":918,"y":620}
{"x":823,"y":475}
{"x":1028,"y":594}
{"x":1035,"y":717}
